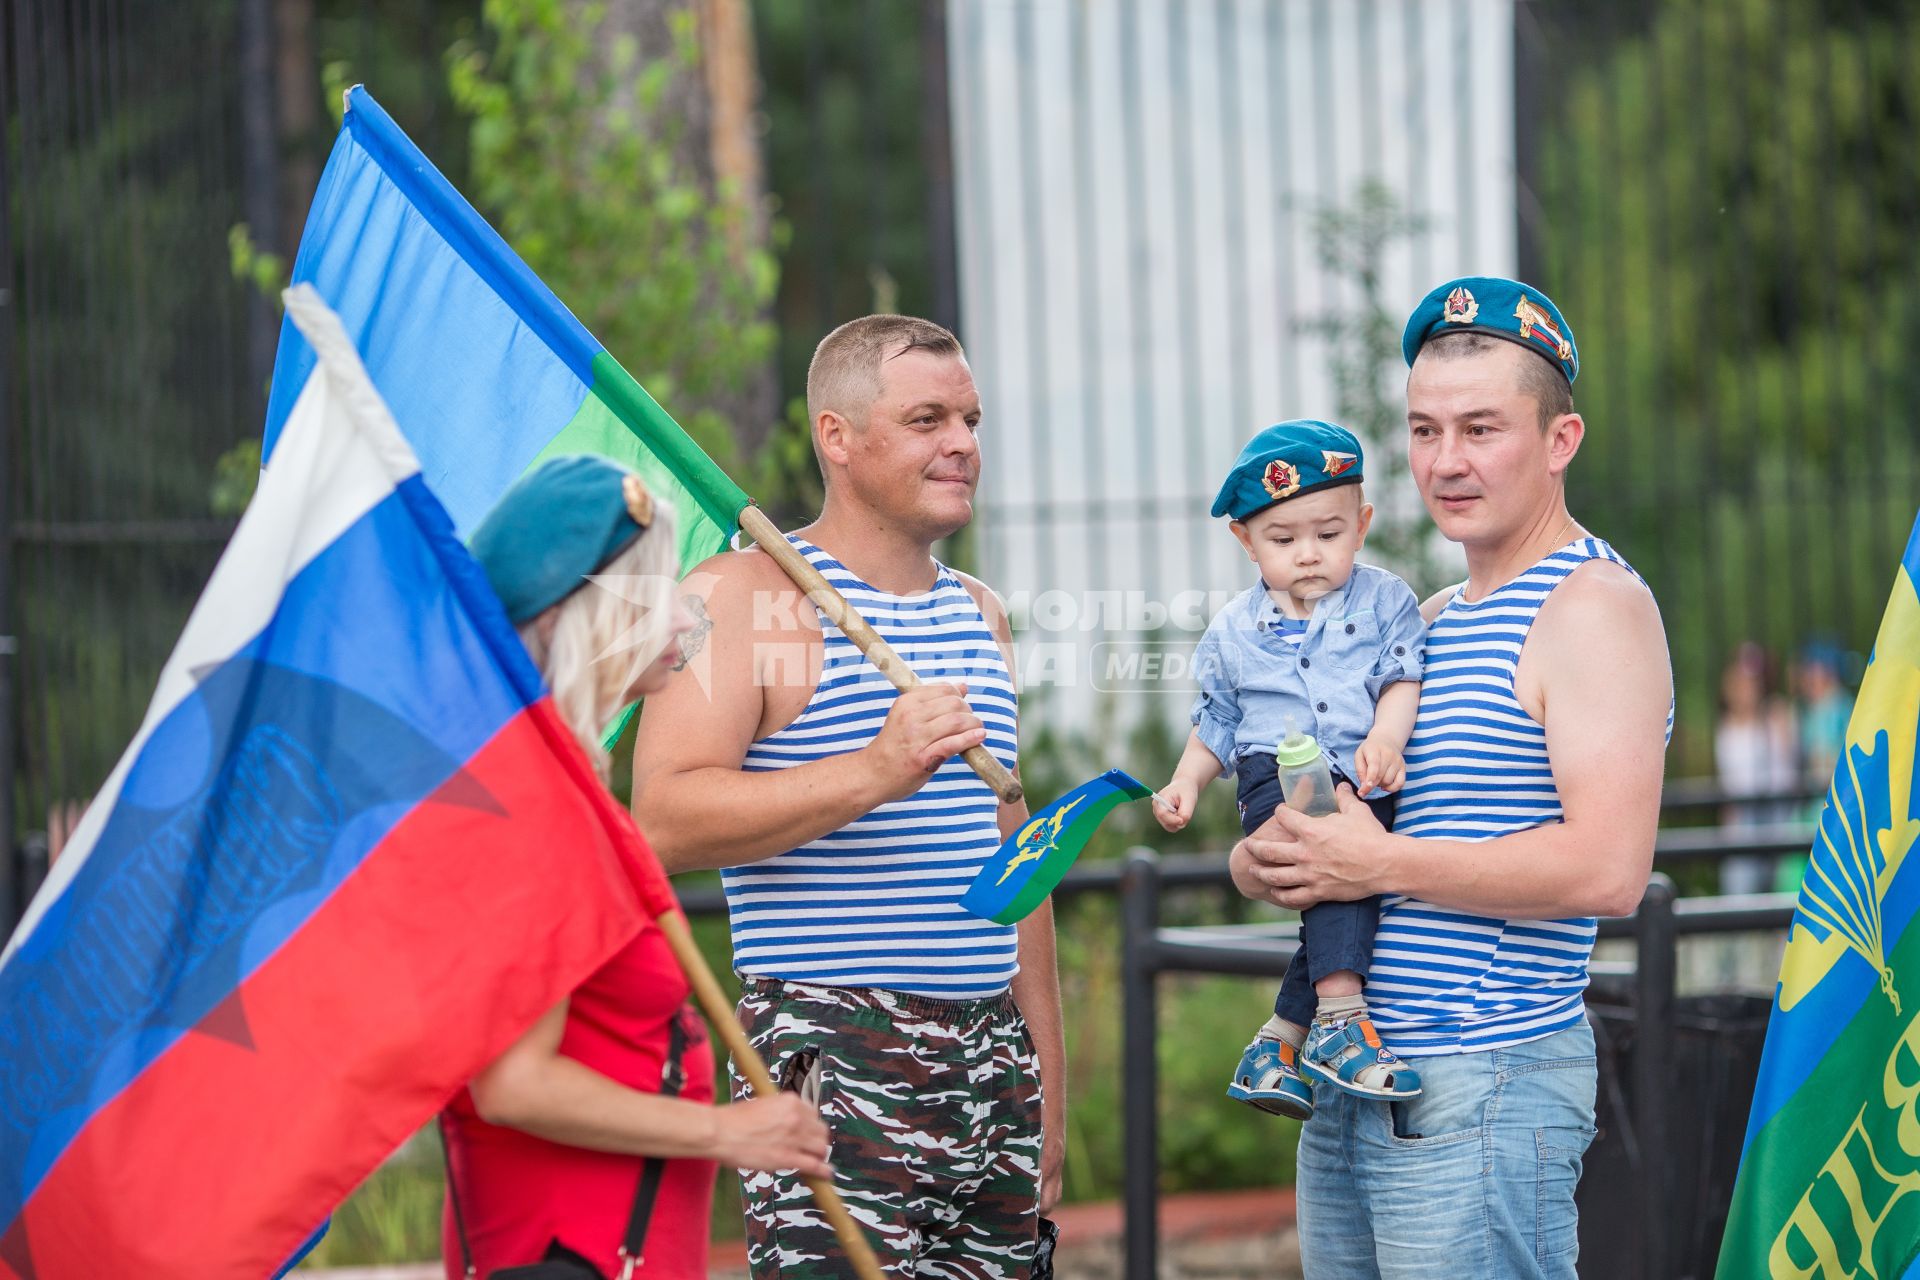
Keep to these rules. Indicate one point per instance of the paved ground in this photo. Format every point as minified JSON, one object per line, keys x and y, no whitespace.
{"x":1223,"y":1235}
{"x":1231,"y":1235}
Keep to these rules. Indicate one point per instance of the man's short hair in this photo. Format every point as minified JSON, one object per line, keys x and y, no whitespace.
{"x":1538,"y":378}
{"x":845,"y":374}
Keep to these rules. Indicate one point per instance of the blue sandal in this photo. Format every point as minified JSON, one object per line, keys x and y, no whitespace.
{"x":1347,"y":1054}
{"x":1268,"y":1077}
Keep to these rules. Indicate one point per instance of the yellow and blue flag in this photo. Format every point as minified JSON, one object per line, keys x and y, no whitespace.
{"x":1019,"y":877}
{"x":1829,"y":1181}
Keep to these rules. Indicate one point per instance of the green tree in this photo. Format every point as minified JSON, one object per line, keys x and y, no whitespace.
{"x":574,"y":156}
{"x":1725,"y":203}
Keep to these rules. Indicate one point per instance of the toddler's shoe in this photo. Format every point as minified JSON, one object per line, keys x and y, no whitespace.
{"x":1268,"y":1077}
{"x":1347,"y":1053}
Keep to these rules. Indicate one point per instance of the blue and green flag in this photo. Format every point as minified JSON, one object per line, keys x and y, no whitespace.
{"x":487,"y":372}
{"x":1829,"y":1181}
{"x":1027,"y":867}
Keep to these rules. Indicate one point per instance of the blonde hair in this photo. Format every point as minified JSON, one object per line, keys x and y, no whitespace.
{"x":606,"y":633}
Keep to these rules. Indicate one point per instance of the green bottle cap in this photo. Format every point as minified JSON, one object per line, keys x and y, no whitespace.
{"x":1298,"y":749}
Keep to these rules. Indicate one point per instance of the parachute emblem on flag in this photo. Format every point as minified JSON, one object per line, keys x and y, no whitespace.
{"x":1854,"y":857}
{"x":1029,"y":863}
{"x":1039,"y":837}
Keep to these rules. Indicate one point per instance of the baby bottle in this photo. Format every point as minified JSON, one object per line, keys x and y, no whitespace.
{"x":1305,"y":780}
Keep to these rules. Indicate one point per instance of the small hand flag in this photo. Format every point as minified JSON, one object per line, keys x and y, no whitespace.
{"x":1028,"y":866}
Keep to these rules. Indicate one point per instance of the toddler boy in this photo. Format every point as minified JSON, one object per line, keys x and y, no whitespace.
{"x":1334,"y":649}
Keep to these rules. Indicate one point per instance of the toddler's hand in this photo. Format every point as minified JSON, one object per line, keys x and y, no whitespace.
{"x":1380,"y":766}
{"x":1173,"y":807}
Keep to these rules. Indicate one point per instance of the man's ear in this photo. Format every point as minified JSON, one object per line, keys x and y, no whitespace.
{"x":832,"y":437}
{"x":1564,"y":435}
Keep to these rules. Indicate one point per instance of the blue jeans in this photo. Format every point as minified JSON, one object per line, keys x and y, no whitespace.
{"x":1334,"y":935}
{"x":1474,"y":1177}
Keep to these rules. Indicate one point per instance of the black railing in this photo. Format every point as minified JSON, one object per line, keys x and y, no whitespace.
{"x":1706,"y":795}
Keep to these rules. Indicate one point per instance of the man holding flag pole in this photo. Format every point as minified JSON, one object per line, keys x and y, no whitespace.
{"x":847,"y":831}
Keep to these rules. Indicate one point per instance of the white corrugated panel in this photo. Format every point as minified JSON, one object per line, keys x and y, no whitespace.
{"x":1136,"y":184}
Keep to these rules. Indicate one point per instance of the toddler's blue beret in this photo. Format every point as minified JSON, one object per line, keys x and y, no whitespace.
{"x":1504,"y":308}
{"x":1285,"y":461}
{"x":558,"y":523}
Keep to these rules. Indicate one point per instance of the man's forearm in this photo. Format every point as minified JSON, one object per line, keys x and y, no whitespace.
{"x":1036,"y":991}
{"x":718,"y":817}
{"x":1543,"y":873}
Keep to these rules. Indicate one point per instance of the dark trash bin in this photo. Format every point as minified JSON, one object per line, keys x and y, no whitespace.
{"x":1716,"y":1058}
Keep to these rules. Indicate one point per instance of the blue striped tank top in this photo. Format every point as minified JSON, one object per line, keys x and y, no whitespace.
{"x":876,"y":903}
{"x":1446,"y":981}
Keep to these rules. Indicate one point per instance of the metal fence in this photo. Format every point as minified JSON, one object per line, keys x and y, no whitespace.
{"x":124,"y":374}
{"x":1665,"y":1228}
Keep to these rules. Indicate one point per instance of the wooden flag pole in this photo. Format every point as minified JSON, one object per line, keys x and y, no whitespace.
{"x":713,"y":1002}
{"x":768,"y":537}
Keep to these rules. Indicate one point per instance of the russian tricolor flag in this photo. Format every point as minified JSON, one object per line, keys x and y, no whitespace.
{"x":351,"y":854}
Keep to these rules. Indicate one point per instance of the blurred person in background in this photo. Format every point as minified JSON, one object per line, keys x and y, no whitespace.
{"x":1755,"y":754}
{"x":1825,"y":704}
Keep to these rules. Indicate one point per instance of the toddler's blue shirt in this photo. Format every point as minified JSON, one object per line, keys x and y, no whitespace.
{"x":1361,"y":638}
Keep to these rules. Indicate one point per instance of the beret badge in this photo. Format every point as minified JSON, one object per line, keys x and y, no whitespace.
{"x":639,"y":502}
{"x":1460,"y":307}
{"x":1336,"y":463}
{"x":1536,"y":324}
{"x":1280,"y":479}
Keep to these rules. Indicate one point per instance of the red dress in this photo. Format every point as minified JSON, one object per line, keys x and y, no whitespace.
{"x":519,"y":1192}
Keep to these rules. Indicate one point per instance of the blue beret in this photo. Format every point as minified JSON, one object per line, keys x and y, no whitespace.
{"x":558,"y":523}
{"x":1504,"y":308}
{"x":1285,"y":461}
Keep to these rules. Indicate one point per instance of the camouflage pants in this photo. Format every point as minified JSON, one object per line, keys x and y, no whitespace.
{"x":934,"y":1107}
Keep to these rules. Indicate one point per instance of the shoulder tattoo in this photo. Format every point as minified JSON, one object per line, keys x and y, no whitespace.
{"x":696,"y":639}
